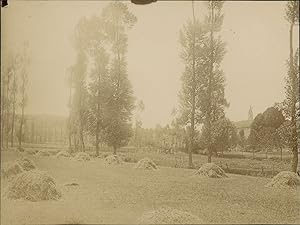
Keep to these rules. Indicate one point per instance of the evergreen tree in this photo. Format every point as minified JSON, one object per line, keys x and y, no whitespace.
{"x":212,"y":94}
{"x":118,"y":20}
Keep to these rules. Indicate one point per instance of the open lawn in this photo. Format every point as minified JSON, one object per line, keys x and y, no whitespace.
{"x":121,"y":194}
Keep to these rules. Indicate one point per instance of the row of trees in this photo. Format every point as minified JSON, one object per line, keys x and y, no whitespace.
{"x":277,"y":126}
{"x":101,"y":96}
{"x":173,"y":138}
{"x":14,"y":80}
{"x":202,"y":96}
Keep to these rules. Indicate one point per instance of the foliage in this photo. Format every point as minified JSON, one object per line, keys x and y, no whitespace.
{"x":292,"y":81}
{"x":118,"y":20}
{"x":266,"y":128}
{"x":202,"y":96}
{"x":241,"y":138}
{"x":100,"y":77}
{"x":292,"y":12}
{"x":223,"y":135}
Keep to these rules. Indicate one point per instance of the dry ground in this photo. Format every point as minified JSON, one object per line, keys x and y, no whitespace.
{"x":121,"y":194}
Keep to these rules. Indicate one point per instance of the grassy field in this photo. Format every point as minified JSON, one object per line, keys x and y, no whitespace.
{"x":121,"y":194}
{"x":230,"y":163}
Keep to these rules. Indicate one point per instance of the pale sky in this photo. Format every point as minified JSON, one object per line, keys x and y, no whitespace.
{"x":256,"y":34}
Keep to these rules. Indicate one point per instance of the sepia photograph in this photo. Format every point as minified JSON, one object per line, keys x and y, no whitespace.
{"x":149,"y":112}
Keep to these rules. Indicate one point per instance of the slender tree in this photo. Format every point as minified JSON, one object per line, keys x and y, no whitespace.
{"x":5,"y":103}
{"x":23,"y":90}
{"x":118,"y":20}
{"x":192,"y":39}
{"x":213,"y":97}
{"x":14,"y":99}
{"x":292,"y":81}
{"x":98,"y":95}
{"x":79,"y":74}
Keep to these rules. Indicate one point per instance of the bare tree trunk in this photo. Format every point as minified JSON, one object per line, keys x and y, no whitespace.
{"x":81,"y":139}
{"x":32,"y":132}
{"x":209,"y":88}
{"x":13,"y":112}
{"x":7,"y":113}
{"x":1,"y":137}
{"x":21,"y":128}
{"x":115,"y":150}
{"x":70,"y":142}
{"x":2,"y":111}
{"x":61,"y":134}
{"x":293,"y":110}
{"x":97,"y":139}
{"x":82,"y":147}
{"x":191,"y":146}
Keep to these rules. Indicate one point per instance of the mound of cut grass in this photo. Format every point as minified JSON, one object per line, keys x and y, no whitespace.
{"x":211,"y":170}
{"x":63,"y":154}
{"x":146,"y":164}
{"x":31,"y":151}
{"x":43,"y":153}
{"x":10,"y":169}
{"x":34,"y":186}
{"x":285,"y":179}
{"x":82,"y":156}
{"x":166,"y":215}
{"x":26,"y":164}
{"x":113,"y":160}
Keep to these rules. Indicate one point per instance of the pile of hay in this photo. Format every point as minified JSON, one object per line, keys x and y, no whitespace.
{"x":10,"y":169}
{"x":285,"y":179}
{"x":113,"y":160}
{"x":168,"y":215}
{"x":64,"y":154}
{"x":34,"y":186}
{"x":26,"y":164}
{"x":211,"y":170}
{"x":43,"y":153}
{"x":82,"y":156}
{"x":146,"y":164}
{"x":103,"y":155}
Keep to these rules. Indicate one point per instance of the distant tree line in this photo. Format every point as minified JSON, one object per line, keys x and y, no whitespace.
{"x":14,"y":82}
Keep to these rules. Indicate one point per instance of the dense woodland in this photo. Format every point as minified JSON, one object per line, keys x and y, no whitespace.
{"x":103,"y":110}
